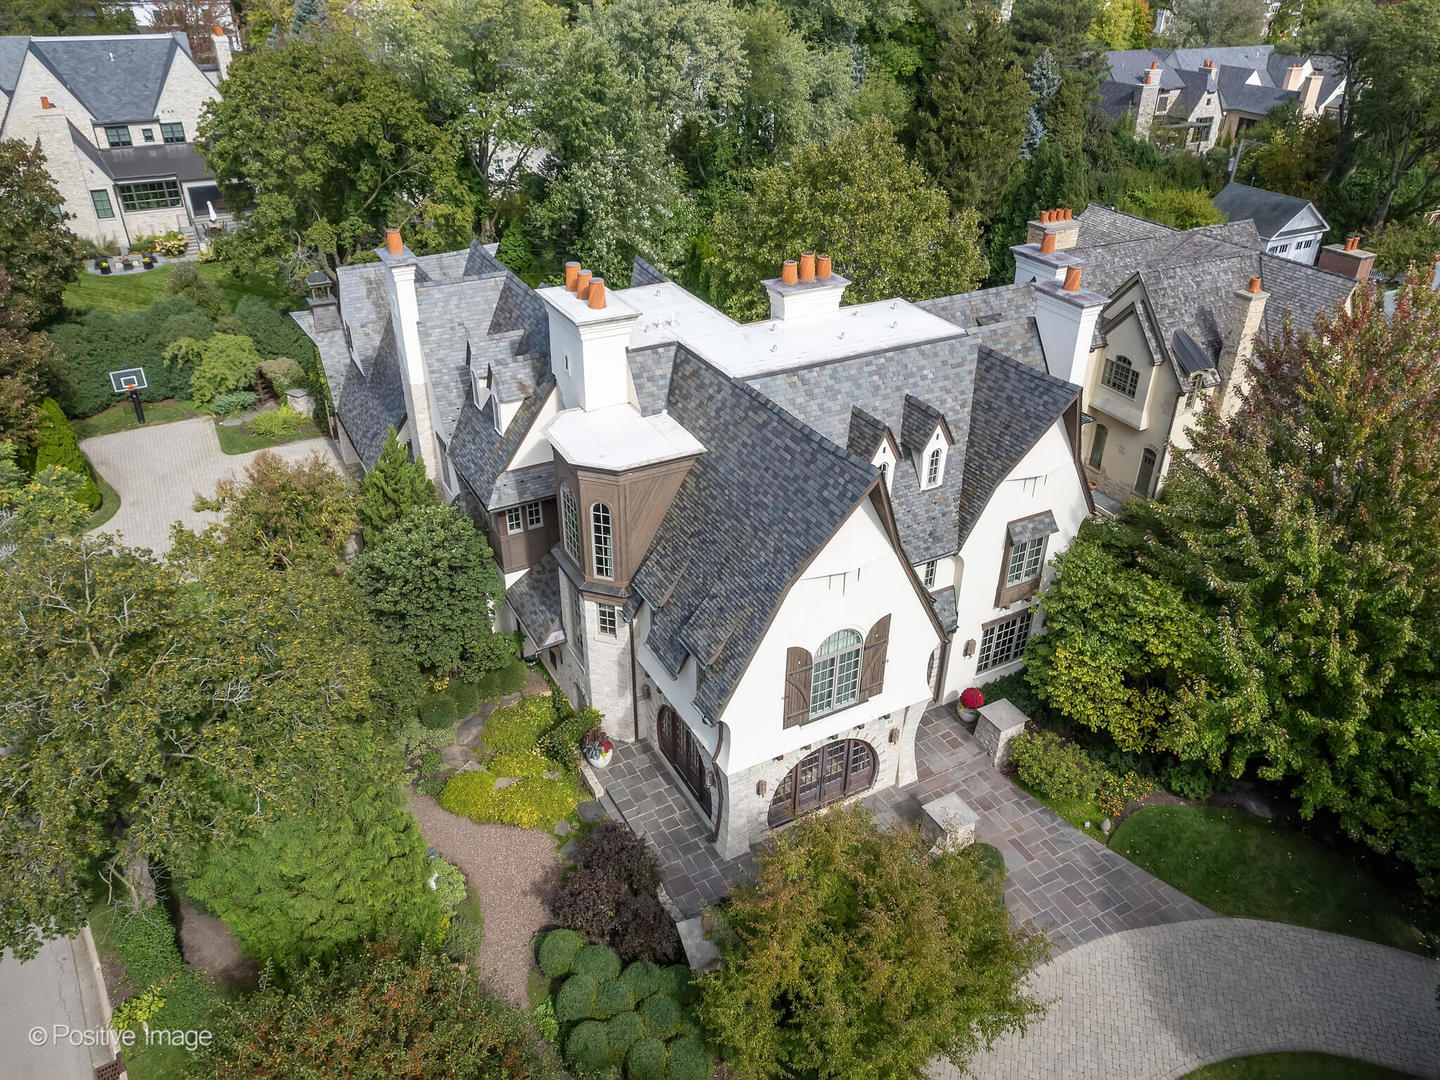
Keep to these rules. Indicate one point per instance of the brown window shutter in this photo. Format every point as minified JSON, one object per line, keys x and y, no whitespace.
{"x":798,"y":666}
{"x":872,"y":665}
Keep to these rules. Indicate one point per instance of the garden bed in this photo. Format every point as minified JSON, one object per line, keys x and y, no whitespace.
{"x":240,"y":439}
{"x":1292,"y":1066}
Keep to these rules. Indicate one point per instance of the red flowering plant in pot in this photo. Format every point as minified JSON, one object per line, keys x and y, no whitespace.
{"x":970,"y":701}
{"x":596,"y":747}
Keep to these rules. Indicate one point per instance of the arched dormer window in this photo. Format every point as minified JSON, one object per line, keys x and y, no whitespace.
{"x":934,"y":461}
{"x":602,"y":541}
{"x":570,"y":522}
{"x":1120,"y":375}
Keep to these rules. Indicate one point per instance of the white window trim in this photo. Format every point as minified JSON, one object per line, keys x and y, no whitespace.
{"x":514,"y":520}
{"x":928,"y":573}
{"x":607,"y":620}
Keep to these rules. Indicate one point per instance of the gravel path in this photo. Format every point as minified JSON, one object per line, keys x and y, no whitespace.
{"x":511,"y":869}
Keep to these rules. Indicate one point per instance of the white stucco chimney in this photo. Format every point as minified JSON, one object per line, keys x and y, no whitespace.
{"x":589,"y":338}
{"x":1065,"y":315}
{"x":420,"y":406}
{"x":222,"y":49}
{"x":806,"y":289}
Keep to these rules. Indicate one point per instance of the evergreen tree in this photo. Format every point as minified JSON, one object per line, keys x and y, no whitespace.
{"x":970,"y":134}
{"x":1044,"y":82}
{"x":394,"y":487}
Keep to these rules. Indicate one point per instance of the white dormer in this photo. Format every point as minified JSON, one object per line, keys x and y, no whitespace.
{"x":884,"y":460}
{"x":932,"y":461}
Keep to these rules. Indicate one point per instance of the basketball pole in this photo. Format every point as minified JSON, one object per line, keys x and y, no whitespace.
{"x":139,"y":412}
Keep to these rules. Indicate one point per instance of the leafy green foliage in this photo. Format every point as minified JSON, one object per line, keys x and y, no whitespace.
{"x":642,"y":977}
{"x":689,"y":1060}
{"x":599,"y":961}
{"x":1171,"y":206}
{"x":236,"y":401}
{"x":433,"y":587}
{"x":576,"y":998}
{"x":57,"y":447}
{"x":382,"y":1014}
{"x":612,"y":998}
{"x":588,"y":1047}
{"x":283,"y":373}
{"x":38,"y":253}
{"x":394,"y":487}
{"x":177,"y":996}
{"x":623,"y":1031}
{"x":1214,"y":23}
{"x":27,"y":365}
{"x":1054,"y":766}
{"x":520,"y":763}
{"x":528,"y":803}
{"x":48,"y":18}
{"x":678,"y":981}
{"x":449,"y":885}
{"x":217,"y":365}
{"x":278,"y":423}
{"x":857,"y":198}
{"x":462,"y":939}
{"x":557,"y":952}
{"x":646,"y":1060}
{"x":187,"y":281}
{"x":437,"y":710}
{"x":661,"y":1015}
{"x":842,"y":915}
{"x":518,"y":726}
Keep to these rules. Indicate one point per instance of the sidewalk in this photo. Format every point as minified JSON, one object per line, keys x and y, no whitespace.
{"x":42,"y":1002}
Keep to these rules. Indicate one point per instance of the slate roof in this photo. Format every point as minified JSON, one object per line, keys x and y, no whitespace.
{"x":642,"y":273}
{"x":150,"y":160}
{"x":1270,"y":210}
{"x":1237,"y":92}
{"x":370,"y":403}
{"x":944,"y":604}
{"x":1002,"y":317}
{"x":117,"y":77}
{"x":535,"y":599}
{"x":865,"y":435}
{"x":751,"y":513}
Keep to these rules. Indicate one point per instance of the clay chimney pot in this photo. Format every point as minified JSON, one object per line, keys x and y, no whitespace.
{"x":44,"y":103}
{"x":582,"y":284}
{"x":1047,"y":243}
{"x":807,"y":266}
{"x":1044,"y":217}
{"x":572,"y":271}
{"x":218,"y":31}
{"x":1351,"y":243}
{"x":1072,"y":279}
{"x":393,"y":244}
{"x":788,"y":273}
{"x":596,"y":295}
{"x":822,"y":267}
{"x":1254,"y":286}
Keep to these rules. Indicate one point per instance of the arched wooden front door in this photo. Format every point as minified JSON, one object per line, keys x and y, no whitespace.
{"x":834,"y":772}
{"x":686,"y":753}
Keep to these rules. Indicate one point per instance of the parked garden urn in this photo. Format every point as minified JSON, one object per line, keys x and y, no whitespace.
{"x":597,"y":748}
{"x":970,"y":701}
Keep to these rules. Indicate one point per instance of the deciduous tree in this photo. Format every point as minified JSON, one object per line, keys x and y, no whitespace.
{"x":1195,"y":24}
{"x":27,"y":365}
{"x":40,"y":255}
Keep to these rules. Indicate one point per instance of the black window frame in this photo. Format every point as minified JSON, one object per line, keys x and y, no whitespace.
{"x":109,"y":211}
{"x":168,"y":130}
{"x":132,"y":205}
{"x":115,"y":140}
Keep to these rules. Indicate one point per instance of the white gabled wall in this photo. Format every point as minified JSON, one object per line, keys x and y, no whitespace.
{"x":535,"y":448}
{"x":857,"y":578}
{"x":1045,"y":479}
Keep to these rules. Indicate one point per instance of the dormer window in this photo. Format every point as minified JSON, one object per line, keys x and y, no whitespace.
{"x":934,"y":463}
{"x":1197,"y":384}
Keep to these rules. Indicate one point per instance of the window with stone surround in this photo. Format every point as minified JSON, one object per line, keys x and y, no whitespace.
{"x":103,"y":207}
{"x":172,"y":133}
{"x":117,"y":135}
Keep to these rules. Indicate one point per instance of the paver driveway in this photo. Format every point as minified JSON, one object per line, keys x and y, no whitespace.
{"x":1157,"y":1003}
{"x":159,"y":469}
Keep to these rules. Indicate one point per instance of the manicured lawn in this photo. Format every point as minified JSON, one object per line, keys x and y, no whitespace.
{"x":121,"y":292}
{"x":121,"y":417}
{"x":1239,"y":864}
{"x":237,"y":439}
{"x":109,"y":503}
{"x":1295,"y":1067}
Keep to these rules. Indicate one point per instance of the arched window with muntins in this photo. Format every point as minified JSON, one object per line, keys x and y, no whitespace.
{"x":570,"y":522}
{"x":836,"y":771}
{"x":835,"y":681}
{"x":932,"y":470}
{"x":1120,"y":375}
{"x":602,"y":541}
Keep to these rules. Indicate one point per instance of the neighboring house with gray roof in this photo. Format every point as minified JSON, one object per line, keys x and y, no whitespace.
{"x":1171,"y":318}
{"x":116,"y":115}
{"x":1192,"y":98}
{"x":765,"y":548}
{"x":1288,"y":226}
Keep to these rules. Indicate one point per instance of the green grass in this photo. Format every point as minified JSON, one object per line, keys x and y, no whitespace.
{"x":122,"y":292}
{"x":237,"y":439}
{"x":109,"y":503}
{"x":121,"y":417}
{"x":1295,"y":1067}
{"x":1239,"y":864}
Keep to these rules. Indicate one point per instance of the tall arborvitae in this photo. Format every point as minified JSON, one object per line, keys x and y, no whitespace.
{"x":394,"y":487}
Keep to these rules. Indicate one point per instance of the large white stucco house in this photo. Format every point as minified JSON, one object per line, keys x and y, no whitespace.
{"x":116,"y":115}
{"x":764,"y":548}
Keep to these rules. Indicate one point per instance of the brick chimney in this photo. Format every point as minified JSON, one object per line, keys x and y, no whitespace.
{"x":1065,"y":315}
{"x":806,"y":289}
{"x":222,"y":49}
{"x":1349,"y":259}
{"x":1247,"y":309}
{"x":589,"y":338}
{"x":420,"y":406}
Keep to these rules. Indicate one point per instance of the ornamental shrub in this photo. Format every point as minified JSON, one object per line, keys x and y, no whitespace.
{"x":689,"y":1060}
{"x":56,"y":445}
{"x":529,"y":804}
{"x":466,"y":695}
{"x":587,"y":1048}
{"x":623,"y":1031}
{"x":678,"y":981}
{"x":576,"y":999}
{"x":462,"y":939}
{"x":1054,"y":766}
{"x":599,"y":961}
{"x":624,"y":857}
{"x":661,"y":1014}
{"x":278,"y":423}
{"x":518,"y":726}
{"x":283,"y":373}
{"x":437,"y":710}
{"x":556,"y":955}
{"x":217,"y":365}
{"x":518,"y":763}
{"x":611,"y":896}
{"x":186,"y":280}
{"x":503,"y":681}
{"x":643,"y":979}
{"x":1191,"y":779}
{"x":561,"y":744}
{"x":236,"y":401}
{"x":449,"y":883}
{"x":613,"y":998}
{"x":646,"y":1060}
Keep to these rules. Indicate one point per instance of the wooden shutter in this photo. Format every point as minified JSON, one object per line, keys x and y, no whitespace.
{"x":798,"y":667}
{"x":872,"y":664}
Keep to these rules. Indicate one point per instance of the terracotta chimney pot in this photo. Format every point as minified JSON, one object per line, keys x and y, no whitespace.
{"x":822,"y":267}
{"x":596,"y":295}
{"x":1072,"y":279}
{"x":807,"y":266}
{"x":1047,"y":243}
{"x":1254,"y":286}
{"x":219,"y":32}
{"x":1045,"y":217}
{"x":45,"y":103}
{"x":1069,"y":214}
{"x":788,"y":273}
{"x":393,"y":244}
{"x":572,"y":271}
{"x":582,"y":284}
{"x":1351,"y":243}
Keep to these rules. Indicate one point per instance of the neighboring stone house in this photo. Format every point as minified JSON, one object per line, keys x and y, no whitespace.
{"x":1192,"y":98}
{"x":764,"y":548}
{"x":1288,"y":226}
{"x":1172,"y":320}
{"x":116,"y":117}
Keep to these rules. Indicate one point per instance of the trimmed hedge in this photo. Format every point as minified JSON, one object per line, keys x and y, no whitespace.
{"x":437,"y":711}
{"x":588,"y":1048}
{"x":678,"y":981}
{"x":613,"y":998}
{"x":646,"y":1060}
{"x":557,"y":951}
{"x":56,"y":445}
{"x":576,"y":999}
{"x":661,"y":1015}
{"x":599,"y":961}
{"x":643,"y":978}
{"x":624,"y":1031}
{"x":689,"y":1060}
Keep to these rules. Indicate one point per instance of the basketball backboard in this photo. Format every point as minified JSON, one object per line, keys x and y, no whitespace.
{"x":127,"y":379}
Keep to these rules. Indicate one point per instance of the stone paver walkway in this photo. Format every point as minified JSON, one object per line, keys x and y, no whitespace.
{"x":512,"y":870}
{"x":1157,"y":1003}
{"x":159,"y":469}
{"x":1057,"y":878}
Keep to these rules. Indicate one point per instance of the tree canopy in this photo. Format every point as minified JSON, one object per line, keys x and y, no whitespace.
{"x":37,"y":252}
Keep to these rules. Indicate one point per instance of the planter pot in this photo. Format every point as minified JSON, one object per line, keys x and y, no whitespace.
{"x":598,"y":759}
{"x":149,"y":263}
{"x":968,"y":717}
